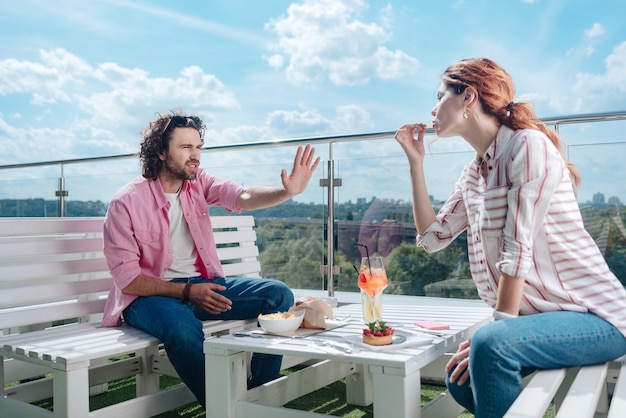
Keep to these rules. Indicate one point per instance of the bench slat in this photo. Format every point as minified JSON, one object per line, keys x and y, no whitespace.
{"x":583,"y":395}
{"x":618,"y":402}
{"x":588,"y":395}
{"x":47,"y":293}
{"x":233,"y":253}
{"x":32,"y":248}
{"x":537,"y":395}
{"x":51,"y":312}
{"x":18,"y":273}
{"x":239,"y":221}
{"x":47,"y":226}
{"x":245,"y":269}
{"x":229,"y":237}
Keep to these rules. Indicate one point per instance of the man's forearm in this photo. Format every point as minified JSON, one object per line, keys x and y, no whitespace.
{"x":258,"y":197}
{"x":144,"y":285}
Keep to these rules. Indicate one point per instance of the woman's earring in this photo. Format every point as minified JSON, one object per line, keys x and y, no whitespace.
{"x":466,"y":114}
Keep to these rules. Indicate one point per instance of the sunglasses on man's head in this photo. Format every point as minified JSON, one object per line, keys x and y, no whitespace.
{"x":182,"y":121}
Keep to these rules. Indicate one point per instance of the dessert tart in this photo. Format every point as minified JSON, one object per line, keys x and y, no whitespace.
{"x":377,"y":333}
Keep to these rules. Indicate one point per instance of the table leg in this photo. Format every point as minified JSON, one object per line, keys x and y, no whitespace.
{"x":396,"y":394}
{"x":226,"y":381}
{"x":359,"y":387}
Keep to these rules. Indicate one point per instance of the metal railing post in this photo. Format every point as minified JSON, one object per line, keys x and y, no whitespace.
{"x":331,"y":182}
{"x":61,"y":194}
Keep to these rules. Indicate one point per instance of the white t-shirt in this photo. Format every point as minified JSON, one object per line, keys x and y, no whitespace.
{"x":183,"y":248}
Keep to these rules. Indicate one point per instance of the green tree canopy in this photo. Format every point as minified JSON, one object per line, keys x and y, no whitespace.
{"x":410,"y":268}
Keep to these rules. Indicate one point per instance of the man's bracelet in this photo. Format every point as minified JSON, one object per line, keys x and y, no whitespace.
{"x":186,"y":292}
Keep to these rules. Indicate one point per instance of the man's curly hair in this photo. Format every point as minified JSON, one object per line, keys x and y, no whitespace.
{"x":156,"y":139}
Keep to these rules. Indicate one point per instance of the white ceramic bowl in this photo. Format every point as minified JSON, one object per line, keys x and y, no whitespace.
{"x":282,"y":326}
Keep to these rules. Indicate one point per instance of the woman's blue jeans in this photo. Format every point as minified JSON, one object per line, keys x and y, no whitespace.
{"x":502,"y":352}
{"x":179,"y":325}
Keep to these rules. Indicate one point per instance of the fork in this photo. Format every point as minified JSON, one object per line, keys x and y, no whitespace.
{"x":332,"y":344}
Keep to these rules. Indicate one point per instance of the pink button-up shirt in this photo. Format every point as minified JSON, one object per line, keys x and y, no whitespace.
{"x":136,"y":232}
{"x":522,"y":219}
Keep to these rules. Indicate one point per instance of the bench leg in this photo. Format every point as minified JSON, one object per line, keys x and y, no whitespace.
{"x":147,"y":381}
{"x":71,"y":392}
{"x":2,"y":393}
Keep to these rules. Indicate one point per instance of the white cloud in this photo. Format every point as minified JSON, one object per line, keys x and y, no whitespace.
{"x":62,"y":76}
{"x":275,"y":61}
{"x":386,"y":15}
{"x":609,"y":86}
{"x":584,"y":50}
{"x":596,"y":30}
{"x":351,"y":118}
{"x":306,"y":120}
{"x":558,"y":89}
{"x":581,"y":51}
{"x":326,"y":38}
{"x":290,"y":123}
{"x":93,"y":111}
{"x":133,"y":88}
{"x":89,"y":111}
{"x":49,"y":144}
{"x":47,"y":80}
{"x":295,"y":123}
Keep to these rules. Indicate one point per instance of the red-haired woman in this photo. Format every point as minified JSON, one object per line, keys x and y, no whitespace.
{"x":555,"y":301}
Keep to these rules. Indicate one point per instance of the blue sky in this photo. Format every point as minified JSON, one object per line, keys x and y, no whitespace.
{"x":81,"y":78}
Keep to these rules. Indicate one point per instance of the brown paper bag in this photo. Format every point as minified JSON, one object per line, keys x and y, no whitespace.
{"x":315,"y":312}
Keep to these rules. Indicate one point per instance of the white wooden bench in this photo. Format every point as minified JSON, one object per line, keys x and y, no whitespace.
{"x":53,"y":283}
{"x":597,"y":391}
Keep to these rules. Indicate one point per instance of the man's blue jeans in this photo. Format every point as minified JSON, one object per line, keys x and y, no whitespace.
{"x":179,"y":325}
{"x":502,"y":352}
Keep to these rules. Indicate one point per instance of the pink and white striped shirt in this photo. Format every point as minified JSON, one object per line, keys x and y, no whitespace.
{"x":522,"y":219}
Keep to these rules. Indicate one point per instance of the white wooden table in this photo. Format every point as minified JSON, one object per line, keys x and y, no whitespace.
{"x":390,"y":378}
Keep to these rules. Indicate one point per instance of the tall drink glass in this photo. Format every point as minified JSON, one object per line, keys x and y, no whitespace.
{"x":372,"y":282}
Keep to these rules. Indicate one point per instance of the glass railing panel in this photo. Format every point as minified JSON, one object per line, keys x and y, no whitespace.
{"x":602,"y":195}
{"x":376,"y":214}
{"x":91,"y":185}
{"x":374,"y":208}
{"x":29,"y":192}
{"x":597,"y":150}
{"x":290,"y":236}
{"x":374,"y":173}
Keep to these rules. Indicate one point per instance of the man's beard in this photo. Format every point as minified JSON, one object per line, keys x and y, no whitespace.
{"x":178,"y":171}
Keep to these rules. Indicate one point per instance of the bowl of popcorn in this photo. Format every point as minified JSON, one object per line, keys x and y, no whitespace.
{"x":281,"y":322}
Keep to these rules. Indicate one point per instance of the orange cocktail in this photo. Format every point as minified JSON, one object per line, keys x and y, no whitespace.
{"x":372,"y":282}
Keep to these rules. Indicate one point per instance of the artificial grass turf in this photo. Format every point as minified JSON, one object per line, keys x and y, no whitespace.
{"x":330,"y":400}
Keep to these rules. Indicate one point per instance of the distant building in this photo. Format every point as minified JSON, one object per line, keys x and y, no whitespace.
{"x":598,"y":199}
{"x":614,"y":201}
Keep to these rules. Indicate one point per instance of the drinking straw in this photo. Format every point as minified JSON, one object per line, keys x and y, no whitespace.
{"x":367,"y":255}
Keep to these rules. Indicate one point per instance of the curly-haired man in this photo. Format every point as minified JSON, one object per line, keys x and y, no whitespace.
{"x":159,"y":244}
